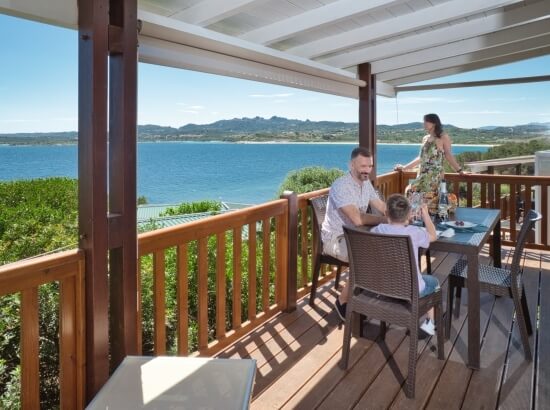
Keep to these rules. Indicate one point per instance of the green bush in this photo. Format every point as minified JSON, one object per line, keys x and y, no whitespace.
{"x":309,"y":179}
{"x":193,"y":208}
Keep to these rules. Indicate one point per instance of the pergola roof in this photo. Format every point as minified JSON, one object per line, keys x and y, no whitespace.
{"x":317,"y":44}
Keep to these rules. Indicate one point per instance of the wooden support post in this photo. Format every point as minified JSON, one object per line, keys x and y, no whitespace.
{"x":292,"y":249}
{"x":107,"y":83}
{"x":367,"y":112}
{"x":93,"y":20}
{"x":122,"y":178}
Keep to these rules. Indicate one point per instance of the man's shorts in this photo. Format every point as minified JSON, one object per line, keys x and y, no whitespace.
{"x":337,"y":248}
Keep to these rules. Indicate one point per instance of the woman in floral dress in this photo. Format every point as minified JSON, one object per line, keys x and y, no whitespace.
{"x":436,"y":146}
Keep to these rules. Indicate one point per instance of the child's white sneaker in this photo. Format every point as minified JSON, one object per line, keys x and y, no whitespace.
{"x":428,"y":326}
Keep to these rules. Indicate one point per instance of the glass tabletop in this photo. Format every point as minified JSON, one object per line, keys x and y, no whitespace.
{"x":480,"y":216}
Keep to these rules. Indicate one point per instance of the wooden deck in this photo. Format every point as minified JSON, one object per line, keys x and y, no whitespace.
{"x":298,"y":356}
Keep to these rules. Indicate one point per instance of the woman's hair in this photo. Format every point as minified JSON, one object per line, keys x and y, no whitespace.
{"x":398,"y":208}
{"x":434,"y":119}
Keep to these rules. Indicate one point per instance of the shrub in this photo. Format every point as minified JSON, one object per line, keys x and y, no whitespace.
{"x":309,"y":179}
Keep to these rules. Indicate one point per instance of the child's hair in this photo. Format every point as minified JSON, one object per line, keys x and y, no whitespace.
{"x":398,"y":208}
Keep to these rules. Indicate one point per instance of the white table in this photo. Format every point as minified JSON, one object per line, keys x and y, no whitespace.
{"x":178,"y":383}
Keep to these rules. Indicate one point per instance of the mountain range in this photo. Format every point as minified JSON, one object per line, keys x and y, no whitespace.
{"x":283,"y":129}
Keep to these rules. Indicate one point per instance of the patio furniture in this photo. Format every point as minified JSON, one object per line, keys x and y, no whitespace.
{"x":178,"y":382}
{"x":388,"y":291}
{"x":470,"y":244}
{"x":319,"y":209}
{"x":498,"y":282}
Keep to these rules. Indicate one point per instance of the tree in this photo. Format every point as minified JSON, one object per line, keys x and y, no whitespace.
{"x":309,"y":179}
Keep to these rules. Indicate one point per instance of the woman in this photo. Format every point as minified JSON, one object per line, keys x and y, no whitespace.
{"x":436,"y":146}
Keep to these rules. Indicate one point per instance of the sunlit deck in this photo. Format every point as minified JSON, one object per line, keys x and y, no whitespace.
{"x":298,"y":356}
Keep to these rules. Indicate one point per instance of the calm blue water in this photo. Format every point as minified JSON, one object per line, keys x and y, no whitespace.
{"x":175,"y":171}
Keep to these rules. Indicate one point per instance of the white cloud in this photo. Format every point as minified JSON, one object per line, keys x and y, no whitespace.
{"x":194,"y":112}
{"x":196,"y":107}
{"x":280,"y":95}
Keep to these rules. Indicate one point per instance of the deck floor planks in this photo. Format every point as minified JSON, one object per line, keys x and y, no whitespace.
{"x":305,"y":373}
{"x":516,"y":388}
{"x":542,"y":386}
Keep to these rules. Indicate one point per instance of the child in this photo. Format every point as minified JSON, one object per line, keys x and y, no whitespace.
{"x":399,"y":215}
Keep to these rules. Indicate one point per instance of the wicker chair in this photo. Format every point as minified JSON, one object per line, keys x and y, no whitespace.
{"x":319,"y":209}
{"x":388,"y":291}
{"x":498,"y":282}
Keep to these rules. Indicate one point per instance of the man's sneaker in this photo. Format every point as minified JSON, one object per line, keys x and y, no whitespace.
{"x":428,"y":326}
{"x":341,"y":309}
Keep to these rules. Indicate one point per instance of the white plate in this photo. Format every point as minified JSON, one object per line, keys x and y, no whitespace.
{"x":467,"y":224}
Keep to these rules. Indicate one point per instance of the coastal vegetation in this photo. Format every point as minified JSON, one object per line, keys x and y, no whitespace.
{"x":278,"y":129}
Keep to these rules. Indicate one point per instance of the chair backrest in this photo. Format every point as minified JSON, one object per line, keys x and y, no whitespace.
{"x":382,"y":264}
{"x":529,"y":221}
{"x":319,"y":207}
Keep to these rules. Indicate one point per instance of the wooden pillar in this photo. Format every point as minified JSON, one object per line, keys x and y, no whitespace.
{"x":367,"y":112}
{"x":107,"y":27}
{"x":292,"y":249}
{"x":122,"y":178}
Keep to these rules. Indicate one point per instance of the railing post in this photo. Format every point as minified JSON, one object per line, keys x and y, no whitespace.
{"x":292,"y":250}
{"x":400,"y":181}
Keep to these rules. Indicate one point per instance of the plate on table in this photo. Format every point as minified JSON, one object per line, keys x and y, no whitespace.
{"x":460,"y":224}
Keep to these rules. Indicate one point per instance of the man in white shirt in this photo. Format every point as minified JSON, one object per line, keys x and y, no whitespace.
{"x":349,"y":198}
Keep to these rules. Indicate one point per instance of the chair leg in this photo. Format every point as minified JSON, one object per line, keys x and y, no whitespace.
{"x":413,"y":348}
{"x":347,"y":340}
{"x":449,"y":314}
{"x":337,"y":279}
{"x":440,"y":333}
{"x":383,"y":329}
{"x":522,"y":328}
{"x":526,"y":315}
{"x":314,"y":280}
{"x":458,"y":299}
{"x":428,"y":262}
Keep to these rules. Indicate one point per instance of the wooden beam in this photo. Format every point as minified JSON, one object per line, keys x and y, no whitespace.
{"x":367,"y":112}
{"x":471,"y":67}
{"x":314,"y":19}
{"x":444,"y":35}
{"x":122,"y":178}
{"x":208,"y":12}
{"x":484,"y":83}
{"x":417,"y":20}
{"x":93,"y":22}
{"x":489,"y":44}
{"x":473,"y":57}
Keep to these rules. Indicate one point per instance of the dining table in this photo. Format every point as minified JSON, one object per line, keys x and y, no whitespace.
{"x":469,"y":242}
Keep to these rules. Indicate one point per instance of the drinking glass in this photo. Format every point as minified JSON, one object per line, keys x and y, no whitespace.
{"x":416,"y":199}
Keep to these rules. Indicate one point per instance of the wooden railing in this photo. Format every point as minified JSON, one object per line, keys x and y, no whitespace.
{"x":25,"y":279}
{"x":179,"y":266}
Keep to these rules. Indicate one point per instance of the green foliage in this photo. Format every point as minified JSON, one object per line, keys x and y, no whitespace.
{"x":309,"y":179}
{"x":193,"y":208}
{"x":142,"y":200}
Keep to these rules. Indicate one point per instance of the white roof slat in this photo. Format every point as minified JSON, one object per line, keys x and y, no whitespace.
{"x":209,"y":12}
{"x":410,"y":22}
{"x":470,"y":45}
{"x":430,"y":75}
{"x":316,"y":18}
{"x":456,"y":32}
{"x":62,"y":13}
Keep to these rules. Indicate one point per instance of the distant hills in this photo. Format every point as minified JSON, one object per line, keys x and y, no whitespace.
{"x":278,"y":129}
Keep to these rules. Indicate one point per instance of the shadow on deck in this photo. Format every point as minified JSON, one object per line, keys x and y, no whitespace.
{"x":298,"y":356}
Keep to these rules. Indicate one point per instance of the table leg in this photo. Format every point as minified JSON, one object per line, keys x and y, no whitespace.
{"x":473,"y":311}
{"x":497,"y":256}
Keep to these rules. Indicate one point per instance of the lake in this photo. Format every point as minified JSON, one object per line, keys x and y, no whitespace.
{"x":171,"y":172}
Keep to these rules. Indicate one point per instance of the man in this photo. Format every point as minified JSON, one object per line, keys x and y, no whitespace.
{"x":348,"y":200}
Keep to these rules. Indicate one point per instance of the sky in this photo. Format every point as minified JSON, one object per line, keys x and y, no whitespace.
{"x":38,"y":91}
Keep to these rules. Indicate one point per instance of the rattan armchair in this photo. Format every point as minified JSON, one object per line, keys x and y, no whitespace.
{"x":319,"y":210}
{"x":498,"y":282}
{"x":385,"y":288}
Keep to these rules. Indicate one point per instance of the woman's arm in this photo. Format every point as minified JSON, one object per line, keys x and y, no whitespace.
{"x":447,"y":143}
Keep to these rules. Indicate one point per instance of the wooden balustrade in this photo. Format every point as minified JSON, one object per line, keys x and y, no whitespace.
{"x":25,"y":278}
{"x":202,"y":265}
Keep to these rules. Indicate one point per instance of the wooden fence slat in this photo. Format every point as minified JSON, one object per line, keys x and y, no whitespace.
{"x":513,"y":210}
{"x":304,"y":245}
{"x":483,"y":192}
{"x":203,"y":293}
{"x":469,"y":194}
{"x":80,"y":335}
{"x":266,"y":259}
{"x":497,"y":200}
{"x":281,"y":263}
{"x":527,"y":198}
{"x":237,"y":280}
{"x":183,"y":299}
{"x":68,"y":343}
{"x":159,"y":303}
{"x":544,"y":211}
{"x":220,"y":286}
{"x":251,"y":271}
{"x":30,"y":374}
{"x":139,"y":316}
